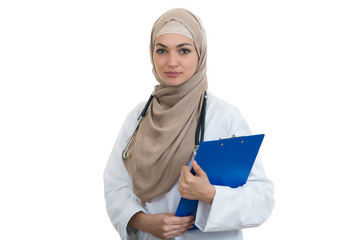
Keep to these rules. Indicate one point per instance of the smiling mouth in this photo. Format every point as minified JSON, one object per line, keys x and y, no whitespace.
{"x":173,"y":74}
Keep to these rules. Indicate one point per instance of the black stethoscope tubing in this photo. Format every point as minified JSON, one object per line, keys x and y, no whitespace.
{"x":200,"y":128}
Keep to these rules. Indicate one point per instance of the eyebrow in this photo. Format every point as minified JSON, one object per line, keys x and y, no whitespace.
{"x":178,"y":46}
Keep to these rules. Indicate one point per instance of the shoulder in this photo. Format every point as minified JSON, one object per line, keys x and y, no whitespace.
{"x":136,"y":111}
{"x":130,"y":123}
{"x":220,"y":108}
{"x":224,"y":119}
{"x":133,"y":115}
{"x":217,"y":104}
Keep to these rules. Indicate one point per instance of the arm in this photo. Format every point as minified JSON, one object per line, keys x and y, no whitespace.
{"x":246,"y":206}
{"x":121,"y":203}
{"x":223,"y":208}
{"x":125,"y":211}
{"x":234,"y":208}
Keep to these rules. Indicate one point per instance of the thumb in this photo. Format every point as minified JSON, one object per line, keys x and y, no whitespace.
{"x":197,"y":168}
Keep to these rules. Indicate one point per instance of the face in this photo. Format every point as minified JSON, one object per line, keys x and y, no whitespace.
{"x":175,"y":58}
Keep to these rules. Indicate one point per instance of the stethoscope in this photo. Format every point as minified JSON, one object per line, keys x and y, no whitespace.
{"x":199,"y":134}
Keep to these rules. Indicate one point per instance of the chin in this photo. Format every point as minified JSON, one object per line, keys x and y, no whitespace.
{"x":174,"y":83}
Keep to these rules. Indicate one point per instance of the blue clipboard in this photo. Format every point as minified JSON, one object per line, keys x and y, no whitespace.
{"x":227,"y":162}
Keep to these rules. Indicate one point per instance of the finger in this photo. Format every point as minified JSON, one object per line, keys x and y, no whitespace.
{"x":186,"y":172}
{"x":181,"y":220}
{"x":184,"y":227}
{"x":180,"y":227}
{"x":182,"y":185}
{"x":197,"y":168}
{"x":184,"y":169}
{"x":188,"y":218}
{"x":182,"y":179}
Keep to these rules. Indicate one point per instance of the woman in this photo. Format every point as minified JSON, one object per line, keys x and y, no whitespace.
{"x":143,"y":187}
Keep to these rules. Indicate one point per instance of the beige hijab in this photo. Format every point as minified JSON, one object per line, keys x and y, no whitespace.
{"x":165,"y":139}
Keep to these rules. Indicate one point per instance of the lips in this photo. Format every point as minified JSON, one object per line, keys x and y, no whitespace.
{"x":173,"y":74}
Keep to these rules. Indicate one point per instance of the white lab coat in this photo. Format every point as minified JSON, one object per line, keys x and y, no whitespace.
{"x":232,"y":208}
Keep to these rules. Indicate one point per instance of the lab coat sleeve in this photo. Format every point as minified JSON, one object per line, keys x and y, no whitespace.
{"x":121,"y":202}
{"x":235,"y":208}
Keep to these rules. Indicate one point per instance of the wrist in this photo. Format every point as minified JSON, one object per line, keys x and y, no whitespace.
{"x":210,"y":194}
{"x":138,"y":221}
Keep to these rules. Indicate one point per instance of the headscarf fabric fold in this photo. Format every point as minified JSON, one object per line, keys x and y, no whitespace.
{"x":165,"y":139}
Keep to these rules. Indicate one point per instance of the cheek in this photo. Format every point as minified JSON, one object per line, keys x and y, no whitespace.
{"x":193,"y":65}
{"x":157,"y":63}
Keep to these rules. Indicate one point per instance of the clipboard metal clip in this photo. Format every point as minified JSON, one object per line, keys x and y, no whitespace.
{"x":233,"y":136}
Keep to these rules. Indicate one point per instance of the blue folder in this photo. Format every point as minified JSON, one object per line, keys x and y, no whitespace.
{"x":227,"y":162}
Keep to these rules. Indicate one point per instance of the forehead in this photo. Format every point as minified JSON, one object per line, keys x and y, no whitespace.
{"x":173,"y":39}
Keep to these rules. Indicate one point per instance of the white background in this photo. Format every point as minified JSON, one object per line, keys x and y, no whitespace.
{"x":71,"y":70}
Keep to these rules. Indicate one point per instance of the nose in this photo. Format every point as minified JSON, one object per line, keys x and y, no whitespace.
{"x":173,"y":60}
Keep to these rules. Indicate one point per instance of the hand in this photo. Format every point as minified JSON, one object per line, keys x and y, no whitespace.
{"x":195,"y":187}
{"x":163,"y":225}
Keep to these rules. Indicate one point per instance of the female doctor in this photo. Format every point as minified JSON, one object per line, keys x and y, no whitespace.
{"x":149,"y":167}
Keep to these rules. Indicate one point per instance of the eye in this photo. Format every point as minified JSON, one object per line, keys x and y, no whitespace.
{"x":160,"y":51}
{"x":185,"y":51}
